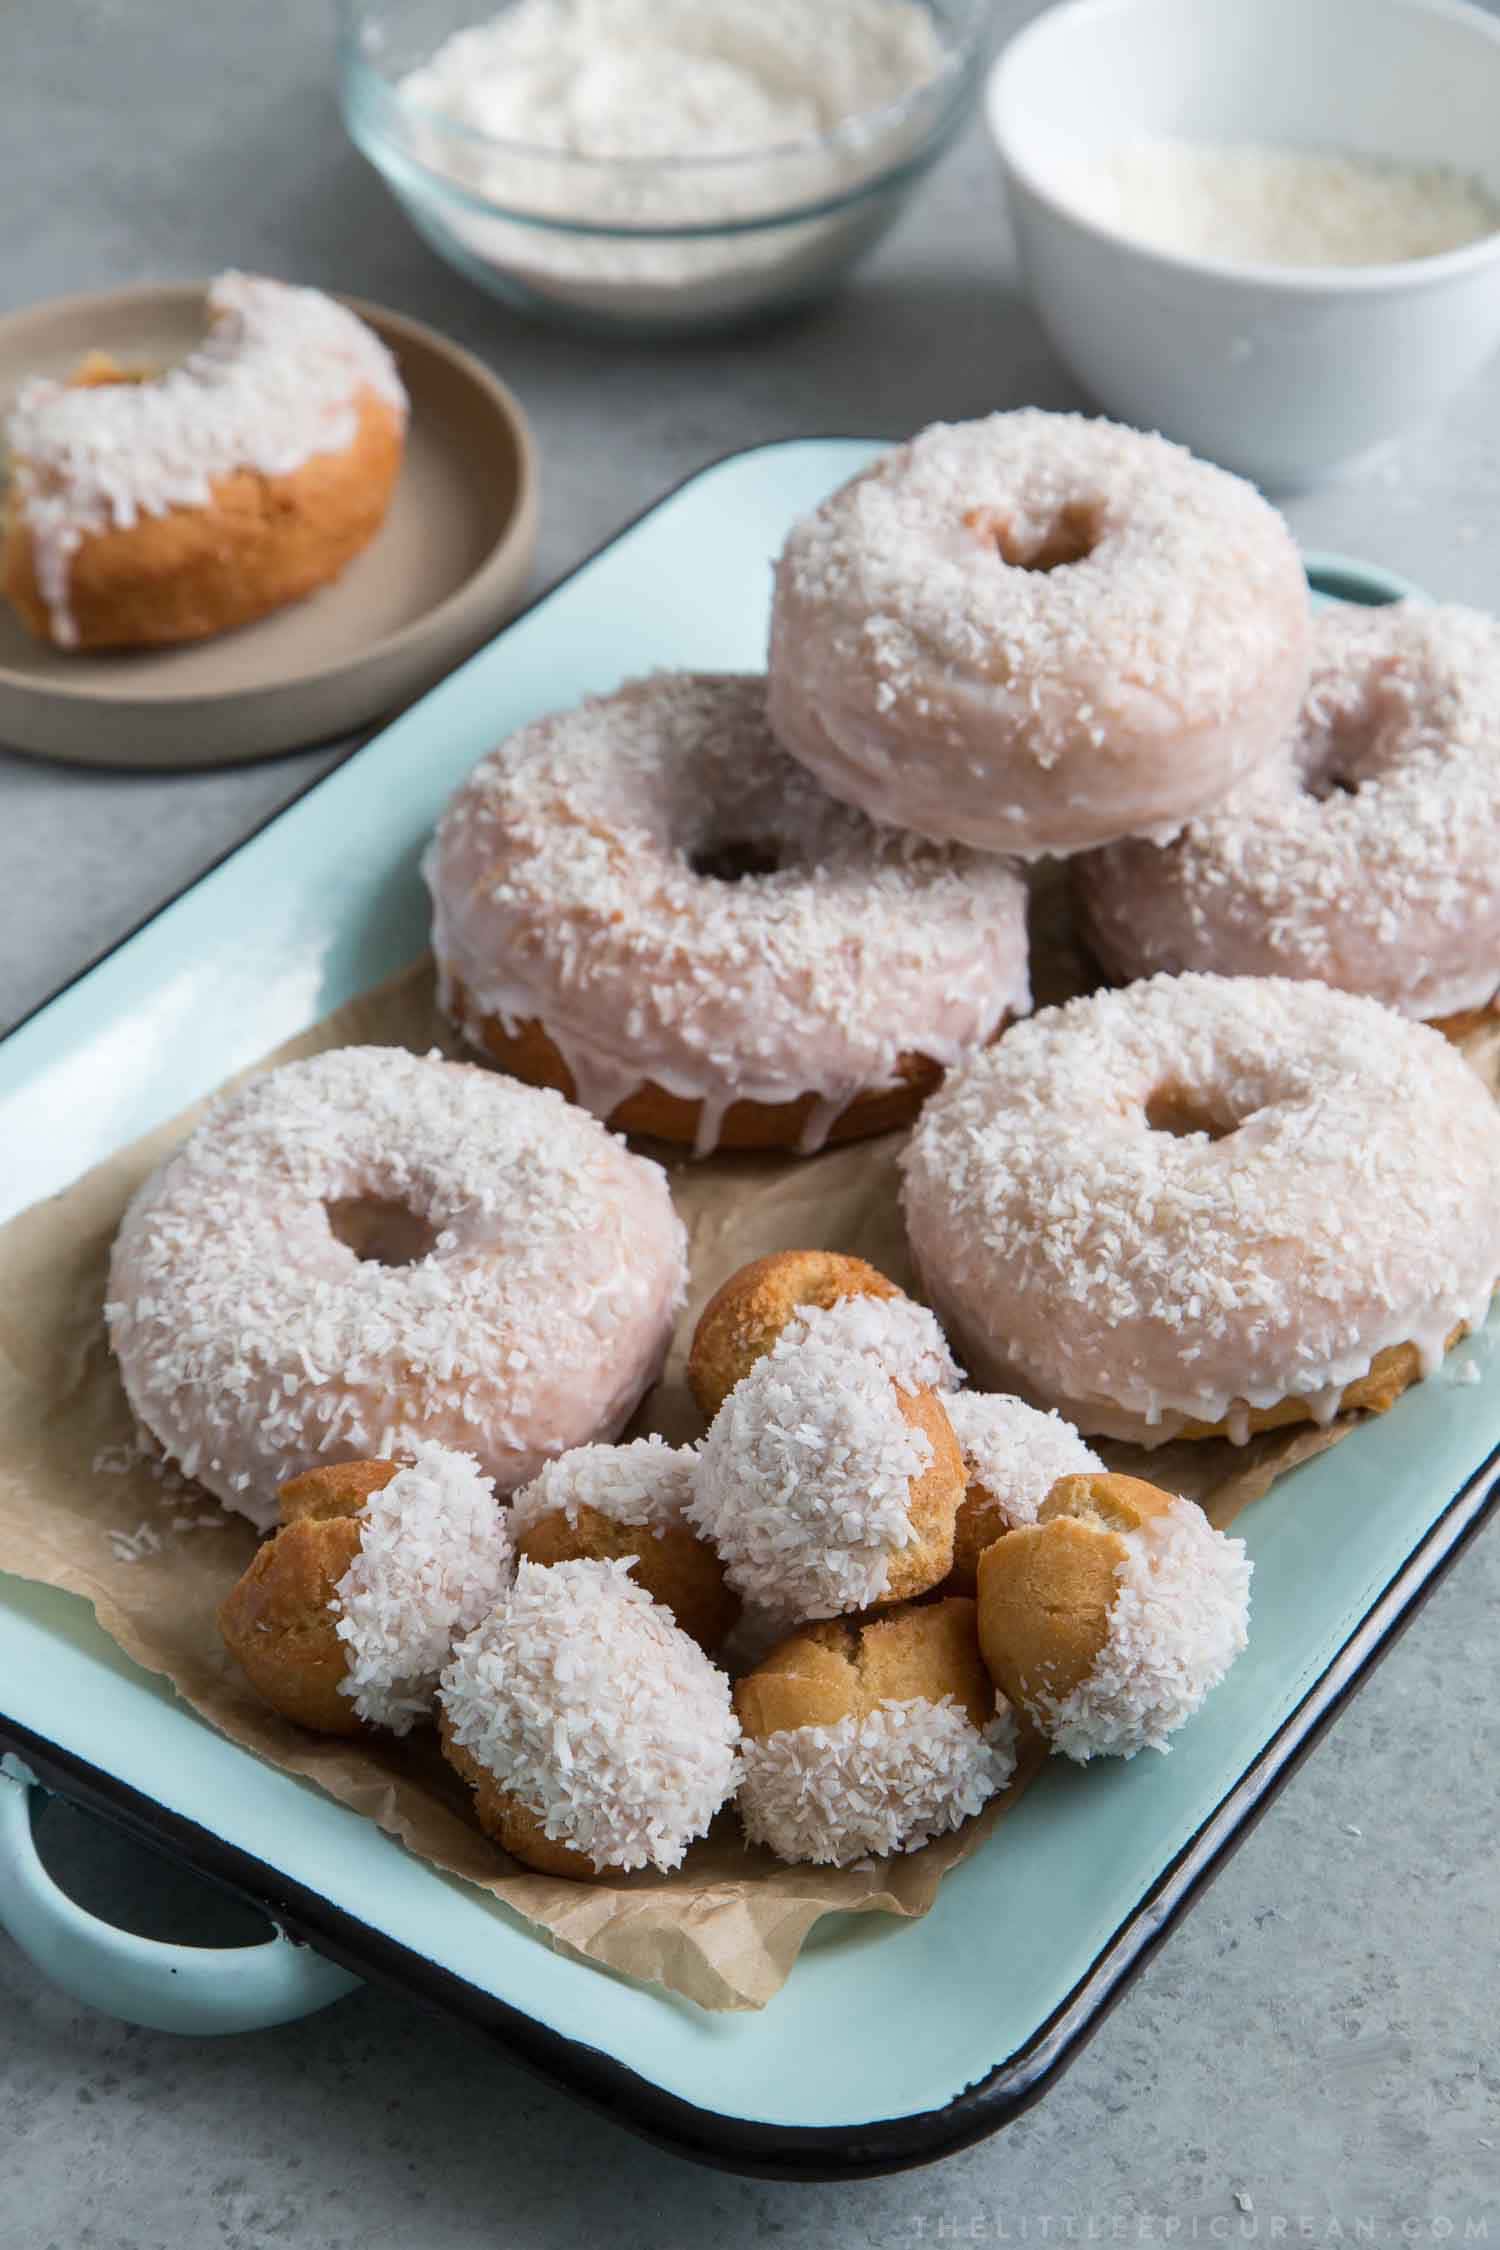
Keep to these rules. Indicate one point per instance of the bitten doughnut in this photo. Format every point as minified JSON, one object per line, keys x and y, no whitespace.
{"x":791,"y":1290}
{"x":826,"y":1487}
{"x":350,"y":1611}
{"x":373,"y":1246}
{"x":596,"y":1735}
{"x":1013,"y":1455}
{"x":644,"y":902}
{"x":602,"y":1503}
{"x":153,"y":508}
{"x":1208,"y":1204}
{"x":1037,"y":633}
{"x":861,"y":1739}
{"x":1365,"y":853}
{"x":1111,"y":1617}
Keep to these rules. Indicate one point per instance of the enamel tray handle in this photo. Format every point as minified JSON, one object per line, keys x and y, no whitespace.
{"x":184,"y":1988}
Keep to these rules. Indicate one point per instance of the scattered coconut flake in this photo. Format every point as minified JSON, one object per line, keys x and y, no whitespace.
{"x":887,"y":1780}
{"x":1178,"y":1622}
{"x":804,"y":1480}
{"x":597,"y":1713}
{"x":434,"y":1557}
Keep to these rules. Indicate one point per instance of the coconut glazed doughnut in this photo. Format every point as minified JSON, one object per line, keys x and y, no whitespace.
{"x":644,"y":902}
{"x":372,"y":1247}
{"x":1207,"y":1204}
{"x":1037,"y":633}
{"x":1366,"y":852}
{"x":164,"y":508}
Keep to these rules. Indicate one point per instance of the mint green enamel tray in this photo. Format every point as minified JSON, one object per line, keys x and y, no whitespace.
{"x":893,"y":2043}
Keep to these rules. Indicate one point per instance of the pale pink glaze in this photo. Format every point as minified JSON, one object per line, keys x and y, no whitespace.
{"x":565,"y":887}
{"x":1366,"y":853}
{"x":253,"y":1343}
{"x":1338,"y":1198}
{"x":923,"y":677}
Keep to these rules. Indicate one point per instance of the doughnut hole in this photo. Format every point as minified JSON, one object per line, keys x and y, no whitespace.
{"x":1044,"y":1595}
{"x":277,"y":1625}
{"x":676,"y":1567}
{"x":933,"y":1503}
{"x":736,"y":859}
{"x":1186,"y":1111}
{"x":1068,"y":535}
{"x":744,"y":1318}
{"x":380,"y":1231}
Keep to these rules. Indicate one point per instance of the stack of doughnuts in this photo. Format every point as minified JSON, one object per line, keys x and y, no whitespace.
{"x":744,"y":912}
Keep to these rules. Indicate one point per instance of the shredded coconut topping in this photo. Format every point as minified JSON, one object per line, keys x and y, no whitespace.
{"x":1179,"y":1620}
{"x":1318,"y":1185}
{"x":1367,"y":853}
{"x":1016,"y":1453}
{"x":647,"y":1484}
{"x":572,"y":882}
{"x":933,"y":664}
{"x":804,"y":1480}
{"x":254,"y":1343}
{"x":277,"y":380}
{"x":901,"y":1336}
{"x":597,"y":1713}
{"x":434,"y":1557}
{"x":885,"y":1781}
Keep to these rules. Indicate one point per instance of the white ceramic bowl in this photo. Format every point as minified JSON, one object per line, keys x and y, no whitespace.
{"x":1281,"y":372}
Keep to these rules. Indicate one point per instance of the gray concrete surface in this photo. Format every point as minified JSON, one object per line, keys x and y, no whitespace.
{"x":1313,"y":2057}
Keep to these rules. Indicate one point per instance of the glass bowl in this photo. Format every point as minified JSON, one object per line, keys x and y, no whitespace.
{"x":644,"y":245}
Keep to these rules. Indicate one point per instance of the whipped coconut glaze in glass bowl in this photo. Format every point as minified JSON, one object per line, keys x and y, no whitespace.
{"x":656,"y":165}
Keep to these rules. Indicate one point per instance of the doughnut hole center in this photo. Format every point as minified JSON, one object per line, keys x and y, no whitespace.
{"x":1184,"y":1112}
{"x":736,"y":859}
{"x":1069,"y":535}
{"x":380,"y":1232}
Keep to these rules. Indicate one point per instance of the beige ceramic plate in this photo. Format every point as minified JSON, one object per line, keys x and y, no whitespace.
{"x":448,"y":566}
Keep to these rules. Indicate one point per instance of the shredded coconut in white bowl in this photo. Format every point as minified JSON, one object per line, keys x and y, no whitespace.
{"x":434,"y":1557}
{"x":804,"y":1480}
{"x":1016,"y":1451}
{"x":647,"y":1483}
{"x":1179,"y":1620}
{"x":897,"y":1333}
{"x":888,"y":1780}
{"x":593,"y":1710}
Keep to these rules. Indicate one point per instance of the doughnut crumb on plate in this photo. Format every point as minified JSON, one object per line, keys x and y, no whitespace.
{"x":596,"y":1735}
{"x":1110,"y":1619}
